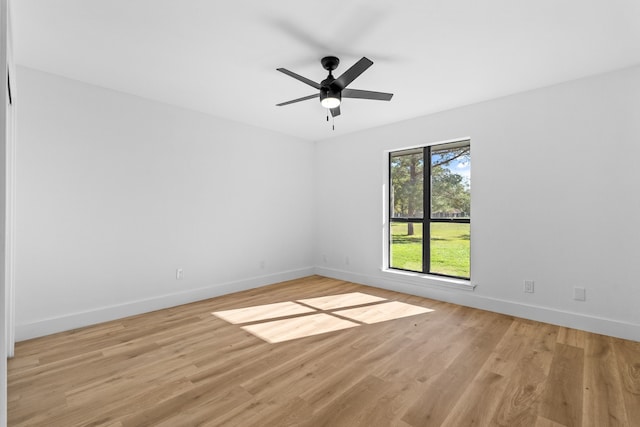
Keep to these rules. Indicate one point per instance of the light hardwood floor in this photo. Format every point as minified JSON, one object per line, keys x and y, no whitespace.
{"x":453,"y":366}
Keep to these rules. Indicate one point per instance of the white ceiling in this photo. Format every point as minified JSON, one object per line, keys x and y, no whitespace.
{"x":220,"y":57}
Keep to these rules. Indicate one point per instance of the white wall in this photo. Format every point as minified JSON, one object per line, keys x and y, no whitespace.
{"x":554,"y":199}
{"x":6,"y":131}
{"x":115,"y":192}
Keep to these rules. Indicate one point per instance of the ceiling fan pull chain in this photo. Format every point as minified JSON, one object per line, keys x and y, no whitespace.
{"x":327,"y":115}
{"x":333,"y":123}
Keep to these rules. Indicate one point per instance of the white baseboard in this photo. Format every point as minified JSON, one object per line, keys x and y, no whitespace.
{"x":103,"y":314}
{"x":568,"y":319}
{"x":456,"y":296}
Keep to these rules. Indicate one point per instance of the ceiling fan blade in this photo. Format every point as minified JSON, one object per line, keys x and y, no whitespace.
{"x":304,"y":98}
{"x":366,"y":94}
{"x":299,"y":33}
{"x":335,"y":112}
{"x":352,"y":73}
{"x":299,"y":77}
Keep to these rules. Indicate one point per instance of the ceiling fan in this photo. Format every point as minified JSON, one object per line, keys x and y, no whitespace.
{"x":332,"y":90}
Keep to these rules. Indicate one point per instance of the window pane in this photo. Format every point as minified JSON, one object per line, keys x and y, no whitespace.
{"x":407,"y":184}
{"x":432,"y":186}
{"x":406,"y":246}
{"x":450,"y":183}
{"x":450,"y":253}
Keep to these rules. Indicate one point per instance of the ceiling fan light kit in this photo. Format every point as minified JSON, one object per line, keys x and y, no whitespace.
{"x":331,"y":90}
{"x":329,"y":99}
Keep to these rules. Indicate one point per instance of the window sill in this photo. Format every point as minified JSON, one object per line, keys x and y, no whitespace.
{"x":421,"y":279}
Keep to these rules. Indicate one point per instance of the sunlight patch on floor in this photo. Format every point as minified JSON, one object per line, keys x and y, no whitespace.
{"x":262,"y":312}
{"x":382,"y":312}
{"x":314,"y":316}
{"x":332,"y":302}
{"x":298,"y":327}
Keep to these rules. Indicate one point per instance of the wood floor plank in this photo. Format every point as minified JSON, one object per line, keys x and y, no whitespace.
{"x":390,"y":406}
{"x":294,"y":412}
{"x":352,"y":407}
{"x":572,"y":337}
{"x":628,"y":357}
{"x":195,"y":406}
{"x":563,"y":396}
{"x":98,"y":411}
{"x":524,"y":357}
{"x":454,"y":365}
{"x":603,"y":397}
{"x":480,"y":401}
{"x":305,"y":365}
{"x":436,"y":352}
{"x":544,"y":422}
{"x":348,"y":373}
{"x":434,"y":403}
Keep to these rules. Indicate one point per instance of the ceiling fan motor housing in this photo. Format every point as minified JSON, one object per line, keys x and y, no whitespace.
{"x":330,"y":63}
{"x":327,"y":88}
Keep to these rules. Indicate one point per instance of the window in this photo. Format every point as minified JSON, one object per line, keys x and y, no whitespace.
{"x":430,"y":224}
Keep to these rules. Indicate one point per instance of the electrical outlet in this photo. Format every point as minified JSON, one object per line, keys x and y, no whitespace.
{"x":179,"y":274}
{"x":346,"y":260}
{"x":529,"y":286}
{"x":262,"y":265}
{"x":324,"y":258}
{"x":579,"y":294}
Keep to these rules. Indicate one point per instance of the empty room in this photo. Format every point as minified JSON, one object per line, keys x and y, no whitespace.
{"x":338,"y":213}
